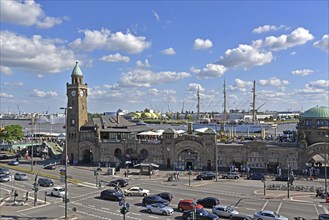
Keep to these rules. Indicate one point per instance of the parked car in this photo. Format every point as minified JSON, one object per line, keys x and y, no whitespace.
{"x":166,"y":195}
{"x":58,"y":191}
{"x":4,"y":170}
{"x":206,"y":176}
{"x":45,"y":182}
{"x":270,"y":215}
{"x":111,"y":194}
{"x":188,"y":204}
{"x":201,"y":214}
{"x":224,"y":211}
{"x":159,"y":208}
{"x":136,"y":191}
{"x":154,"y":199}
{"x":4,"y":178}
{"x":241,"y":217}
{"x":281,"y":178}
{"x":256,"y":176}
{"x":20,"y":176}
{"x":13,"y":163}
{"x":323,"y":217}
{"x":3,"y":157}
{"x":50,"y":166}
{"x":208,"y":202}
{"x":119,"y":182}
{"x":231,"y":175}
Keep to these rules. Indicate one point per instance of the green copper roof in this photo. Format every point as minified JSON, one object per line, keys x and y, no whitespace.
{"x":317,"y":112}
{"x":76,"y":71}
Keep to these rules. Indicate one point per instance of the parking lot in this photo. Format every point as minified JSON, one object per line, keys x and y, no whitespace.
{"x":246,"y":196}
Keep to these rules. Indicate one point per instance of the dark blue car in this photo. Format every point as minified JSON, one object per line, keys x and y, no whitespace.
{"x":201,"y":214}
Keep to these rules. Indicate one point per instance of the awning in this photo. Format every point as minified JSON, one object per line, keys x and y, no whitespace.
{"x":146,"y":165}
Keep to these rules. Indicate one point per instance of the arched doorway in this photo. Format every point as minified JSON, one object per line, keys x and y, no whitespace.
{"x":87,"y":156}
{"x":188,"y":159}
{"x":143,"y":154}
{"x":118,"y":154}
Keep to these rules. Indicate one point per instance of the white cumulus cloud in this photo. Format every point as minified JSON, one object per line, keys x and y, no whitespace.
{"x":240,"y":85}
{"x":5,"y":70}
{"x":104,"y":39}
{"x":200,"y":44}
{"x":146,"y":78}
{"x":297,"y":37}
{"x":211,"y":71}
{"x":323,"y":43}
{"x":194,"y":87}
{"x":18,"y":84}
{"x":115,"y":58}
{"x":43,"y":94}
{"x":303,"y":72}
{"x":273,"y":81}
{"x":5,"y":95}
{"x":267,"y":28}
{"x":26,"y":13}
{"x":35,"y":54}
{"x":245,"y":56}
{"x":168,"y":51}
{"x":141,"y":64}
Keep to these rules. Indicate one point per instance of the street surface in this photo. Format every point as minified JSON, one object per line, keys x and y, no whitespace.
{"x":246,"y":196}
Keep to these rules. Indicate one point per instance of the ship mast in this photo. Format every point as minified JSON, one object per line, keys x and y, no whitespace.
{"x":225,"y":110}
{"x":198,"y":105}
{"x":254,"y":102}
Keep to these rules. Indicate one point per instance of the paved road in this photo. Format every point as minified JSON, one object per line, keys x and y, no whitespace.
{"x":245,"y":195}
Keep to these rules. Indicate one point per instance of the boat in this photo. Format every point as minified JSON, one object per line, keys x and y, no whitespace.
{"x":253,"y":126}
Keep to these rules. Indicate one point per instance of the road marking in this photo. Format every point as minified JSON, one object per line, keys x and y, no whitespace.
{"x":107,"y":209}
{"x":277,"y":211}
{"x":136,"y":214}
{"x":152,"y":216}
{"x":250,"y":209}
{"x":265,"y":205}
{"x":325,"y":210}
{"x":316,"y":209}
{"x":34,"y":207}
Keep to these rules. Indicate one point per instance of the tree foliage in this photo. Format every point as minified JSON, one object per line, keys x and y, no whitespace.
{"x":11,"y":133}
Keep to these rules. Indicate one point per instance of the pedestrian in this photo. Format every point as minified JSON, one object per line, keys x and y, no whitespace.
{"x":125,"y":174}
{"x":27,"y":196}
{"x":177,"y":176}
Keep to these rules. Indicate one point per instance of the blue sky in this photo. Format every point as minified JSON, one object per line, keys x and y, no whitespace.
{"x":138,"y":54}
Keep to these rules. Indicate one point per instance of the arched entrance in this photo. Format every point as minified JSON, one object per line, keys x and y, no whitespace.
{"x":87,"y":156}
{"x":188,"y":159}
{"x":316,"y":159}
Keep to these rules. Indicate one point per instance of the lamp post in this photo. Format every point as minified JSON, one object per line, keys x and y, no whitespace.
{"x":65,"y":152}
{"x":32,"y":136}
{"x":216,"y":153}
{"x":325,"y":171}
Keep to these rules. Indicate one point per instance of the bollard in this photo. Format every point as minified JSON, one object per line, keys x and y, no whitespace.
{"x":45,"y":197}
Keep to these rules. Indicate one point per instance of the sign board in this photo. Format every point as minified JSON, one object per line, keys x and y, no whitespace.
{"x":120,"y":203}
{"x":127,"y":205}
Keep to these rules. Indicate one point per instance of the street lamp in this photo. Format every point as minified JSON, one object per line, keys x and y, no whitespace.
{"x":325,"y":171}
{"x":216,"y":162}
{"x":65,"y":154}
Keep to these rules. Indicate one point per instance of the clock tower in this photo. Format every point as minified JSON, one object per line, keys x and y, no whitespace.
{"x":76,"y":113}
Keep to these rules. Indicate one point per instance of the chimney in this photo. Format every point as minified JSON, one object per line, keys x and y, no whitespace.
{"x":118,"y":121}
{"x":189,"y":128}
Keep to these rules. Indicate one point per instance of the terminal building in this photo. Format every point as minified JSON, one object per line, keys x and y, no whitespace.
{"x":112,"y":139}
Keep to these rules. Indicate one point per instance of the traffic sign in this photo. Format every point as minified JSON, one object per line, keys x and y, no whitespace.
{"x":120,"y":203}
{"x":127,"y":205}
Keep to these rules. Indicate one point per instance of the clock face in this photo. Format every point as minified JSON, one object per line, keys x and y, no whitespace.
{"x":81,"y":93}
{"x":73,"y":92}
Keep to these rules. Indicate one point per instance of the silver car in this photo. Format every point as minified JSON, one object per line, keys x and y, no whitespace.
{"x":159,"y":208}
{"x":4,"y":170}
{"x":4,"y":178}
{"x":268,"y":215}
{"x":20,"y":176}
{"x":224,"y":211}
{"x":231,"y":175}
{"x":136,"y":191}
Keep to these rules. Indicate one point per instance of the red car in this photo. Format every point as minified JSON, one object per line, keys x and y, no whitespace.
{"x":188,"y":204}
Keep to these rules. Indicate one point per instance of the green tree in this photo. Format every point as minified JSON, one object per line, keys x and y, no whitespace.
{"x":11,"y":133}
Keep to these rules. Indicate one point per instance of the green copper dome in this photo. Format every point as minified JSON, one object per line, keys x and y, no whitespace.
{"x":76,"y":71}
{"x":317,"y":112}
